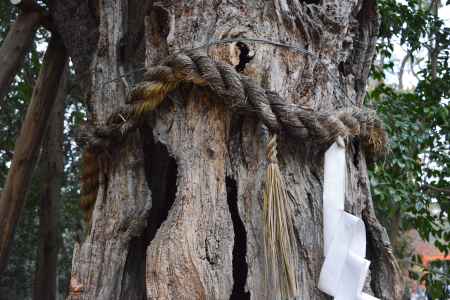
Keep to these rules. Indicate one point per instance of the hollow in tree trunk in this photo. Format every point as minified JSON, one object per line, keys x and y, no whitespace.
{"x":178,"y":214}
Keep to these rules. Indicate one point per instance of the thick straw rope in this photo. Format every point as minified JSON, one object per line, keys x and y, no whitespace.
{"x":242,"y":95}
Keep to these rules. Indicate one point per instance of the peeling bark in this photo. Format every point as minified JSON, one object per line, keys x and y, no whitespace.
{"x":110,"y":262}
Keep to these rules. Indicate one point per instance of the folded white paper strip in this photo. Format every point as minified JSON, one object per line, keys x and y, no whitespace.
{"x":345,"y":269}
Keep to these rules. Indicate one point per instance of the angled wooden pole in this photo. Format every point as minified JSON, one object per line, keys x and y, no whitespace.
{"x":51,"y":167}
{"x":28,"y":143}
{"x":14,"y":48}
{"x":18,"y":40}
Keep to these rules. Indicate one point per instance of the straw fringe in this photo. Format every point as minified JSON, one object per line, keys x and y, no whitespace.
{"x":279,"y":238}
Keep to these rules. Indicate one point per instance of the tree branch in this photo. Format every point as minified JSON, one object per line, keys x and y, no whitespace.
{"x":402,"y":70}
{"x":436,"y":189}
{"x":30,"y":6}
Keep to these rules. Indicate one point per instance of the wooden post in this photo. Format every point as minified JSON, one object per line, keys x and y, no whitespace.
{"x":15,"y":46}
{"x":28,"y":143}
{"x":18,"y":40}
{"x":52,"y":169}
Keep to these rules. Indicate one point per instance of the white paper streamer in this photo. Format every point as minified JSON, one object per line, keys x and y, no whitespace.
{"x":345,"y":269}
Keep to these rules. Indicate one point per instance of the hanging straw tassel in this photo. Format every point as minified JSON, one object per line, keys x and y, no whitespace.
{"x":279,"y":239}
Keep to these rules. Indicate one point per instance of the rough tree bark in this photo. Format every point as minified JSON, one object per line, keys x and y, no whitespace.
{"x":178,"y":215}
{"x":52,"y":169}
{"x":28,"y":143}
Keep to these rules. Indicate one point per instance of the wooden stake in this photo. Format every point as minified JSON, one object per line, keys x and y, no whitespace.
{"x":28,"y":143}
{"x":14,"y":48}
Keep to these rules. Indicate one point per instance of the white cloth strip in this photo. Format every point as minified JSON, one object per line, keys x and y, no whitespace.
{"x":345,"y":269}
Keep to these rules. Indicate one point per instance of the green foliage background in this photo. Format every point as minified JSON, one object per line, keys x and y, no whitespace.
{"x":411,"y":186}
{"x":405,"y":185}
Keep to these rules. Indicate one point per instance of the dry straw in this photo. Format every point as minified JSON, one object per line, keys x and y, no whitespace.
{"x":245,"y":96}
{"x":279,"y":238}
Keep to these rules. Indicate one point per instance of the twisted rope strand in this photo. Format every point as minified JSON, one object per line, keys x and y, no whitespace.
{"x":141,"y":67}
{"x":241,"y":94}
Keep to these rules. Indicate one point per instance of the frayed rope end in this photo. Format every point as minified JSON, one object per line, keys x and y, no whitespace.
{"x":279,"y":237}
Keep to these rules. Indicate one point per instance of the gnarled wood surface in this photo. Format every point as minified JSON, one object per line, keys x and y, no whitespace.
{"x":178,"y":215}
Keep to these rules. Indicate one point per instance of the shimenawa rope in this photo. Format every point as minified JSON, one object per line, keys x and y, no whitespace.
{"x":243,"y":95}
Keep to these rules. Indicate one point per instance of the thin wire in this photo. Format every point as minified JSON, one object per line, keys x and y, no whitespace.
{"x":274,"y":43}
{"x":256,"y":40}
{"x":123,"y":75}
{"x":223,"y":41}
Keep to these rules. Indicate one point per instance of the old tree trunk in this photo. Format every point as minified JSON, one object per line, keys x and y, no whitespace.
{"x":178,"y":215}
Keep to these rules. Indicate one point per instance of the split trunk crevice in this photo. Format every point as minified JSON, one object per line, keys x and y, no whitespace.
{"x":161,"y":174}
{"x":197,"y":224}
{"x":240,"y":267}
